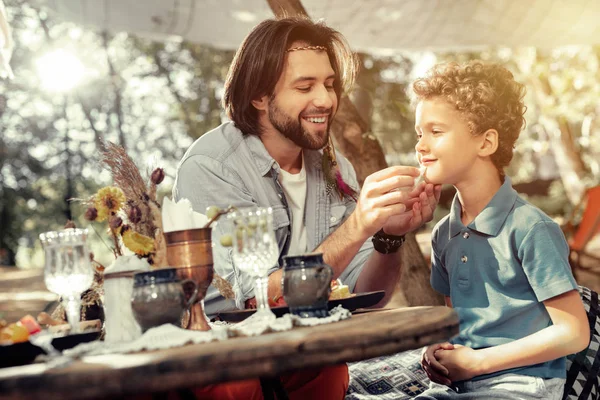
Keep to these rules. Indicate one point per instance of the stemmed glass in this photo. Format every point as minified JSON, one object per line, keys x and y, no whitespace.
{"x":255,"y":251}
{"x":68,"y":269}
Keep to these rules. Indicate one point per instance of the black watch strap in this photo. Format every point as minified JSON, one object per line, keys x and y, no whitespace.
{"x":387,"y":244}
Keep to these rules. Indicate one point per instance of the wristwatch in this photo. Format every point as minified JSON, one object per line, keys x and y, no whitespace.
{"x":387,"y":244}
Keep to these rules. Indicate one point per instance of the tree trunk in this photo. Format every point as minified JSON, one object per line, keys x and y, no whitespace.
{"x":362,"y":150}
{"x":287,"y":8}
{"x":366,"y":155}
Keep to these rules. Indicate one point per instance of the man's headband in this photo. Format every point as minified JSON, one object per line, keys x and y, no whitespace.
{"x":307,"y":48}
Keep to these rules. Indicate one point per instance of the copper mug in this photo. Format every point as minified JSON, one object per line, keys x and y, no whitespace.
{"x":190,"y":253}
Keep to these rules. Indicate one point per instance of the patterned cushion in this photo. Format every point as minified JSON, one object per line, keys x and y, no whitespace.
{"x":401,"y":377}
{"x":583,"y":368}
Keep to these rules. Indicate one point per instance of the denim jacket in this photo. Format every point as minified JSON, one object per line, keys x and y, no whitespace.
{"x":226,"y":167}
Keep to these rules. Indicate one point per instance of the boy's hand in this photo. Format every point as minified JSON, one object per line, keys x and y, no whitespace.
{"x":462,"y":363}
{"x":420,"y":207}
{"x":434,"y":370}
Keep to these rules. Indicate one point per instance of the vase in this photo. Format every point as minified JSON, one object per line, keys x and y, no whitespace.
{"x":120,"y":324}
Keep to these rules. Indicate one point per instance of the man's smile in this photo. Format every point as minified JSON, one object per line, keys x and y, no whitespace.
{"x":316,"y":120}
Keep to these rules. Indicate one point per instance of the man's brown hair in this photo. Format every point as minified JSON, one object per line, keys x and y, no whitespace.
{"x":488,"y":97}
{"x":259,"y":61}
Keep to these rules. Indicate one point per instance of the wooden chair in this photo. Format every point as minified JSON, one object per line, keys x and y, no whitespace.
{"x":580,"y":235}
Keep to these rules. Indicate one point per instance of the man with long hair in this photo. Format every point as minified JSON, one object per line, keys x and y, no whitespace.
{"x":281,"y":94}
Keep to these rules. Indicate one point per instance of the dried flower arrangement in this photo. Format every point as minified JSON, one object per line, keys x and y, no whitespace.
{"x":141,"y":232}
{"x":131,"y":208}
{"x":135,"y":200}
{"x":134,"y":221}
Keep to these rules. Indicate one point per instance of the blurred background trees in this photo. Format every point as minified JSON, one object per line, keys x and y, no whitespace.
{"x":75,"y":87}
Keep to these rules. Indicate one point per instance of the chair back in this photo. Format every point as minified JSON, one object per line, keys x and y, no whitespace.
{"x":583,"y":368}
{"x":590,"y":221}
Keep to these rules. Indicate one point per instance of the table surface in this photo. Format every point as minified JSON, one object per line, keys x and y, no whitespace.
{"x":363,"y":336}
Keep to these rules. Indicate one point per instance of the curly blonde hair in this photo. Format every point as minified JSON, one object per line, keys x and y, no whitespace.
{"x":487,"y":95}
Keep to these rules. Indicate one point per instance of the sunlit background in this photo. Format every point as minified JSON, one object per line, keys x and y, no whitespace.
{"x":76,"y":85}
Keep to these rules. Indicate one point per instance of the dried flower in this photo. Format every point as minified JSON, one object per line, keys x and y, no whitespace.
{"x":134,"y":214}
{"x":126,"y":174}
{"x":158,"y":175}
{"x":141,"y":245}
{"x":134,"y":199}
{"x":91,"y":214}
{"x":115,"y":222}
{"x":108,"y":201}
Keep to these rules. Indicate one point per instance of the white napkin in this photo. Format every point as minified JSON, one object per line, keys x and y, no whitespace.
{"x":180,"y":216}
{"x":169,"y":336}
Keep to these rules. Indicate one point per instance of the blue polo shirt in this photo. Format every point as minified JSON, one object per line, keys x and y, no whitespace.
{"x":498,"y":270}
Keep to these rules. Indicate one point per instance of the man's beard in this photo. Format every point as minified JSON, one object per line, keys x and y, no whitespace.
{"x":293,"y":129}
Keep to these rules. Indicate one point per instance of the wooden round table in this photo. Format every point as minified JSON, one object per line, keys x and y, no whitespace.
{"x":365,"y":335}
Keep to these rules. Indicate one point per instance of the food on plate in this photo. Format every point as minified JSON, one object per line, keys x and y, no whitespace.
{"x":45,"y":319}
{"x":20,"y":331}
{"x":14,"y":333}
{"x":339,"y":290}
{"x":84,"y":326}
{"x":277,"y":301}
{"x":31,"y":324}
{"x":27,"y":326}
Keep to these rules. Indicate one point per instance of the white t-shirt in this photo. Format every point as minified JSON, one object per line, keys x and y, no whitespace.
{"x":294,"y":187}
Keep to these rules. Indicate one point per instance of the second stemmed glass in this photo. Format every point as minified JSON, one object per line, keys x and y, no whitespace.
{"x":68,"y":270}
{"x":255,"y":251}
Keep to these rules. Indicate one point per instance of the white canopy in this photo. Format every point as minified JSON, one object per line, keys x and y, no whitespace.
{"x":369,"y":25}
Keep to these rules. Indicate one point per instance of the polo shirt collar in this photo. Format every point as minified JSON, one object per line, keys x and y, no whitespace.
{"x":493,"y":216}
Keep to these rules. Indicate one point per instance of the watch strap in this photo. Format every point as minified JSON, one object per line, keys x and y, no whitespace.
{"x":387,"y":244}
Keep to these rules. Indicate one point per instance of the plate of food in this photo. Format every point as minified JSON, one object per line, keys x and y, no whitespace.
{"x":340,"y":295}
{"x":16,"y":348}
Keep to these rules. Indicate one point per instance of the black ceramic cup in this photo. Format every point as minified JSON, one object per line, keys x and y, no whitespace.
{"x":159,"y":298}
{"x":307,"y":284}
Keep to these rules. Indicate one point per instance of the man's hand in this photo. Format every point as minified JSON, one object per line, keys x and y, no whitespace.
{"x":435,"y":371}
{"x":383,"y":195}
{"x":423,"y":199}
{"x":462,"y":363}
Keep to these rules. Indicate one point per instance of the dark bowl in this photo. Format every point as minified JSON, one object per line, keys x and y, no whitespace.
{"x":24,"y":353}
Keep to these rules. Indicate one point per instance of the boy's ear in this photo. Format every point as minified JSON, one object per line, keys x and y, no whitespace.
{"x":261,"y":104}
{"x":489,"y":143}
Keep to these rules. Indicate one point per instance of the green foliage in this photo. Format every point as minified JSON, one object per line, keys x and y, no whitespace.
{"x":151,"y":98}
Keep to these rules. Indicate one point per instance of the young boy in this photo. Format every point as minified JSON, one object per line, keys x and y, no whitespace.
{"x":501,"y":262}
